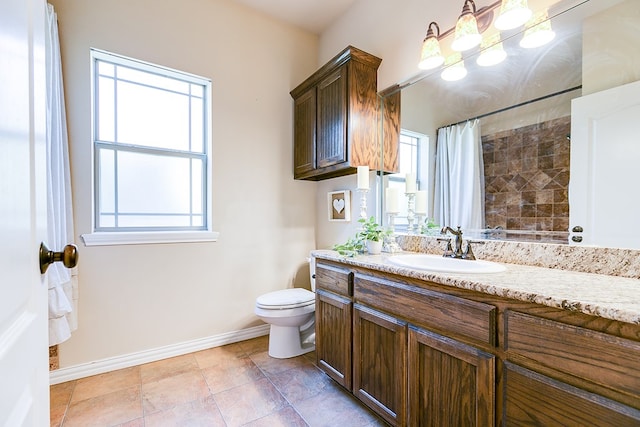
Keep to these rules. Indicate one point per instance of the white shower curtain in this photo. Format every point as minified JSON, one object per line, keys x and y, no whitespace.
{"x":63,"y":285}
{"x":459,"y":182}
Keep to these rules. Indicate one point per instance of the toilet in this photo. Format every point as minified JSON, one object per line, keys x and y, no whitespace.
{"x":291,"y":314}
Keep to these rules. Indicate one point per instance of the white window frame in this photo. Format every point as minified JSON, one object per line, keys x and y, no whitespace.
{"x":151,"y":236}
{"x":421,"y":170}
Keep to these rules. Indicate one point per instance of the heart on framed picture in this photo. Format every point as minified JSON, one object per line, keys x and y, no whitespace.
{"x":339,"y":204}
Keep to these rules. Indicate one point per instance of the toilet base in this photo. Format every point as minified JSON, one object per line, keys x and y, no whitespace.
{"x":290,"y":341}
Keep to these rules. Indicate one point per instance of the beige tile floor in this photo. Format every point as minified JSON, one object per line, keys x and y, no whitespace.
{"x":234,"y":385}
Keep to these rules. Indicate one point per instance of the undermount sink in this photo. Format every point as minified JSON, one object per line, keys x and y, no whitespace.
{"x":441,"y":264}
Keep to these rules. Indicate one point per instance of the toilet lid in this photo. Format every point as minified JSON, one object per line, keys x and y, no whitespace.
{"x":286,"y":298}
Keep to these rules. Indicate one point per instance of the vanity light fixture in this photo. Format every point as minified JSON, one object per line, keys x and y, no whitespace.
{"x":492,"y":51}
{"x":431,"y":56}
{"x":538,"y":31}
{"x":467,"y":35}
{"x":455,"y":69}
{"x":513,"y":13}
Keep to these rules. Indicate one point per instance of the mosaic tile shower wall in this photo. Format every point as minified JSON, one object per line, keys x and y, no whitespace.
{"x":527,"y":177}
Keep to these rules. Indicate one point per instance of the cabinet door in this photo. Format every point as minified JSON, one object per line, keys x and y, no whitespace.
{"x":304,"y":147}
{"x":450,"y":383}
{"x":333,"y":336}
{"x":532,"y":399}
{"x":379,"y":363}
{"x":331,"y":142}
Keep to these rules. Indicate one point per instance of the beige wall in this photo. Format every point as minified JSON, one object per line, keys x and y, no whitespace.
{"x":611,"y":46}
{"x":134,"y":298}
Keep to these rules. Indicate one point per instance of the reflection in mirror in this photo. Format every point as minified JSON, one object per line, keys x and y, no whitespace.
{"x":518,"y":114}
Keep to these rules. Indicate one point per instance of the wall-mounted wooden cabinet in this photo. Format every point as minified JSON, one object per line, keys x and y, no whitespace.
{"x":336,"y":116}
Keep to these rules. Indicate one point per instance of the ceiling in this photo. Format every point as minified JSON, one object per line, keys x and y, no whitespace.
{"x":312,"y":15}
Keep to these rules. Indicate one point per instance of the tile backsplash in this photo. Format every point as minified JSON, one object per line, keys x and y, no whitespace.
{"x":527,"y":177}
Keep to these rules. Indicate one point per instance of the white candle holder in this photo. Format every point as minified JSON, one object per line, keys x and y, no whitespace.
{"x":419,"y":222}
{"x":390,"y":245}
{"x":392,"y":220}
{"x":411,"y":228}
{"x":363,"y":202}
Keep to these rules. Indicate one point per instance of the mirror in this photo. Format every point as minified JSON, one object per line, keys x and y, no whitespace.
{"x":524,"y":110}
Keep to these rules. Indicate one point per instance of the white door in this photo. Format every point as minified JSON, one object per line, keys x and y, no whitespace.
{"x":605,"y":168}
{"x":24,"y":379}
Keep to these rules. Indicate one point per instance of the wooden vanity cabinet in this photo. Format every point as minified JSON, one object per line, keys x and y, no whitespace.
{"x":336,"y":114}
{"x":397,"y":351}
{"x":334,"y":312}
{"x":422,"y":354}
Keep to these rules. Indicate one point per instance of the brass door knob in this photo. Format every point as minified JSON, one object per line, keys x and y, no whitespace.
{"x":68,"y":257}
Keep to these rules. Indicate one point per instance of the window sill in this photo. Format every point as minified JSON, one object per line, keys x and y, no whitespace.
{"x":148,"y":238}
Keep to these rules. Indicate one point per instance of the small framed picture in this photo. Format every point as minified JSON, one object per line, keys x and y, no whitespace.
{"x":339,"y":203}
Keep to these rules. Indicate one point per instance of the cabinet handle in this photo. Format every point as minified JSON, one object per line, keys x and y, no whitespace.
{"x":577,"y":229}
{"x":577,"y":239}
{"x":350,"y":277}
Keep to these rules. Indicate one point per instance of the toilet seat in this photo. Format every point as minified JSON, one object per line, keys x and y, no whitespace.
{"x":286,"y":299}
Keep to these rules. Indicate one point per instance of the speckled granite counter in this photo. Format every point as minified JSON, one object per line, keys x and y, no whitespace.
{"x":608,"y":261}
{"x":611,"y":297}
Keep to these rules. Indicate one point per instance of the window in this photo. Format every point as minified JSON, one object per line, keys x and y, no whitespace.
{"x":411,"y":148}
{"x":151,"y":138}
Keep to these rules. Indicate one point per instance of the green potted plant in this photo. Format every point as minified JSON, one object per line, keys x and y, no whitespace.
{"x":372,"y":234}
{"x":352,"y":247}
{"x":429,"y":227}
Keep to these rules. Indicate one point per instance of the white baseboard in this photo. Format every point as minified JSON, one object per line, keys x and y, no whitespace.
{"x":146,"y":356}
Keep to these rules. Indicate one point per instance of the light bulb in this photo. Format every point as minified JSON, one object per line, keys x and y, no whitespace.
{"x":513,"y":13}
{"x":430,"y":56}
{"x":455,"y":69}
{"x":492,"y":51}
{"x":467,"y":35}
{"x":538,"y":32}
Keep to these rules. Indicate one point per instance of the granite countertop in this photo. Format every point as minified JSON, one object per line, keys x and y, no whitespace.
{"x":611,"y":297}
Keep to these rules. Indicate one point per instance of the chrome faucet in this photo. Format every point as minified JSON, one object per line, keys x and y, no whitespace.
{"x":456,"y":251}
{"x":451,"y":252}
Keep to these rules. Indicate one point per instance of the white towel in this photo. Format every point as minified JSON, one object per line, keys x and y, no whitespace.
{"x":71,"y":291}
{"x":59,"y":307}
{"x":63,"y":310}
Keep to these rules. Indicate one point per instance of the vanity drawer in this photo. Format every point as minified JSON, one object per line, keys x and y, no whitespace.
{"x":534,"y":399}
{"x":333,"y":278}
{"x":429,"y":309}
{"x":600,"y":358}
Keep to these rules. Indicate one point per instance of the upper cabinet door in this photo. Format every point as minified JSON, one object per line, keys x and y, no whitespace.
{"x":331,"y":145}
{"x":304,"y":151}
{"x":336,"y":118}
{"x":605,"y":155}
